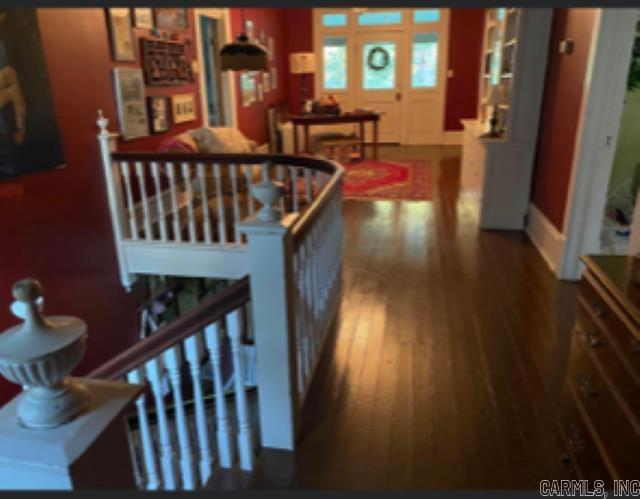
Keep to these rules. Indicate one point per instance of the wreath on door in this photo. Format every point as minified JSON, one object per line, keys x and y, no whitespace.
{"x":378,"y":59}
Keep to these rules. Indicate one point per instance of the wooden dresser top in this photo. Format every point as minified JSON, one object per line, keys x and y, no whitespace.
{"x":614,"y":274}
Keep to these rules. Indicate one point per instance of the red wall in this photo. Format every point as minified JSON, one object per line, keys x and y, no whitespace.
{"x":560,"y":112}
{"x":465,"y":56}
{"x":299,"y":24}
{"x":55,"y":224}
{"x":252,"y":120}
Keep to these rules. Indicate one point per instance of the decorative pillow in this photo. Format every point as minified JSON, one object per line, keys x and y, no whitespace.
{"x":182,"y":143}
{"x":231,"y":140}
{"x":206,"y":141}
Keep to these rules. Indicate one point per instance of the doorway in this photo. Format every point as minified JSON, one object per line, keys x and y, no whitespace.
{"x":217,"y":89}
{"x":389,"y":60}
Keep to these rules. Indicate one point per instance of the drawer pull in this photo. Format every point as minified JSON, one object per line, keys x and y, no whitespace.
{"x":586,"y":386}
{"x":574,"y":436}
{"x":592,"y":339}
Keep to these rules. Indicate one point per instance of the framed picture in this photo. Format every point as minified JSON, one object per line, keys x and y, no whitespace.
{"x":158,"y":107}
{"x":184,"y":107}
{"x":248,"y":89}
{"x":270,"y":48}
{"x":171,"y":18}
{"x":120,"y":31}
{"x":266,"y":82}
{"x":248,"y":29}
{"x":132,"y":109}
{"x":143,"y":18}
{"x":274,"y":77}
{"x":260,"y":91}
{"x":30,"y":136}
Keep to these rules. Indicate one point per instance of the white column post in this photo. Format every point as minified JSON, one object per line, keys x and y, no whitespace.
{"x":270,"y":268}
{"x":107,"y":141}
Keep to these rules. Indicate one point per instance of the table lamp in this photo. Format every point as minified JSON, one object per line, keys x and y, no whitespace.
{"x":302,"y":63}
{"x":495,"y":98}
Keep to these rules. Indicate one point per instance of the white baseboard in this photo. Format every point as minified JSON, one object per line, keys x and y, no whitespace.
{"x":452,"y":138}
{"x":545,"y":237}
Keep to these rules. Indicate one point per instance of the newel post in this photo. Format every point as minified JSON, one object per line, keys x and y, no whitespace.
{"x":107,"y":141}
{"x":61,"y":432}
{"x":270,"y":270}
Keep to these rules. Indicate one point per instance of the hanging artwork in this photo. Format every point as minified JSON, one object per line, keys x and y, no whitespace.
{"x":184,"y":108}
{"x":172,"y":18}
{"x":247,"y":89}
{"x":29,"y":138}
{"x":158,"y":113}
{"x":132,"y":108}
{"x":121,"y":34}
{"x":248,"y":29}
{"x":274,"y":77}
{"x":266,"y":82}
{"x":270,"y":48}
{"x":143,"y":18}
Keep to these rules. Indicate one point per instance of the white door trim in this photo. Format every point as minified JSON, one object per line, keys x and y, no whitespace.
{"x":600,"y":115}
{"x":228,"y":89}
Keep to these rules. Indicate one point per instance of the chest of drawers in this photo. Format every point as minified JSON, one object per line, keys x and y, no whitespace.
{"x":600,"y":408}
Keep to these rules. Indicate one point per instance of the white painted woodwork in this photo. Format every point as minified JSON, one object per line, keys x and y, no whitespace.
{"x":160,"y":201}
{"x":245,"y":437}
{"x":233,"y":171}
{"x":186,"y":175}
{"x":506,"y":163}
{"x":151,"y":476}
{"x":293,"y":173}
{"x":204,"y":203}
{"x":222,"y":224}
{"x":59,"y":458}
{"x":167,"y":461}
{"x":226,"y":448}
{"x":133,"y":225}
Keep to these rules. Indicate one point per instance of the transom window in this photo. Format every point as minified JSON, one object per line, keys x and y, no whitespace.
{"x":426,"y":16}
{"x":334,"y":20}
{"x":380,"y":18}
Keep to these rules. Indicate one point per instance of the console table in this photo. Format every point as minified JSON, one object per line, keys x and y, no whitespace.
{"x":308,"y":120}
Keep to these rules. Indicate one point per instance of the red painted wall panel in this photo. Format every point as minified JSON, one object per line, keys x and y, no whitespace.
{"x":299,"y":24}
{"x":560,"y":112}
{"x":252,"y":120}
{"x":465,"y":56}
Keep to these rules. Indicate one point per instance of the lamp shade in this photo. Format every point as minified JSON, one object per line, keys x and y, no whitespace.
{"x":243,"y":55}
{"x":496,"y":95}
{"x":302,"y":62}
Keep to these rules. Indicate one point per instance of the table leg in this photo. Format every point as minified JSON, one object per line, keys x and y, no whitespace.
{"x":306,"y":139}
{"x":361,"y":140}
{"x":295,"y":139}
{"x":375,"y":140}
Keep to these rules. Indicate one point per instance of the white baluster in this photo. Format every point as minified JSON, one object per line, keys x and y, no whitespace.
{"x":226,"y":450}
{"x":222,"y":218}
{"x":245,"y":439}
{"x":233,"y":171}
{"x":162,"y":221}
{"x":248,"y":174}
{"x":131,"y":209}
{"x":186,"y":175}
{"x":307,"y":185}
{"x":174,"y":202}
{"x":280,"y":178}
{"x":204,"y":199}
{"x":293,"y":173}
{"x":298,"y":323}
{"x":169,"y":475}
{"x":145,"y":203}
{"x":137,"y":377}
{"x":173,"y":361}
{"x":135,"y":462}
{"x":193,"y":353}
{"x":320,"y":178}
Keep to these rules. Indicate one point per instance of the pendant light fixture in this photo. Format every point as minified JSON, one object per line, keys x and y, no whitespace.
{"x":243,"y":54}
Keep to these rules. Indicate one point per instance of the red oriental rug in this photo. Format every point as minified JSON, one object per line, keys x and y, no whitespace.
{"x":371,"y":179}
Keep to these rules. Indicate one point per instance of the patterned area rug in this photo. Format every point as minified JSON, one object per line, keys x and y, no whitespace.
{"x":371,"y":179}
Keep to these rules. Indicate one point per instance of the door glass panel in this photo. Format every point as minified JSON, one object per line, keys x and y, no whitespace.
{"x":379,"y":65}
{"x":334,"y":20}
{"x":334,"y":62}
{"x":426,"y":16}
{"x":379,"y":18}
{"x":424,"y":61}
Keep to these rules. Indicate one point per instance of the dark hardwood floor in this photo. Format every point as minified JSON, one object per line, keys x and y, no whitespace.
{"x":447,"y":355}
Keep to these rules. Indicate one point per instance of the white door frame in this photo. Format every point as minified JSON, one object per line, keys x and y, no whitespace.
{"x":600,"y":114}
{"x":228,"y":90}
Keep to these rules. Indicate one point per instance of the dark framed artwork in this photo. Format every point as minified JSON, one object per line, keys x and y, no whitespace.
{"x":130,"y":101}
{"x":158,"y":107}
{"x":29,"y":136}
{"x":172,"y":18}
{"x":123,"y":47}
{"x":183,"y":107}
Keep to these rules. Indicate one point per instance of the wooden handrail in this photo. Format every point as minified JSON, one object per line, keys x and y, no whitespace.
{"x":305,"y":221}
{"x":210,"y":310}
{"x":322,"y":165}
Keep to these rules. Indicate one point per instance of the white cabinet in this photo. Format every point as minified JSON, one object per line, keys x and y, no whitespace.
{"x":516,"y":48}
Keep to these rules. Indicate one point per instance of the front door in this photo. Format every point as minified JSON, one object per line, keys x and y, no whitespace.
{"x":378,"y":79}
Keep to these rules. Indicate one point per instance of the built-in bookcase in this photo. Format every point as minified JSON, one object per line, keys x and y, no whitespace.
{"x":500,"y":47}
